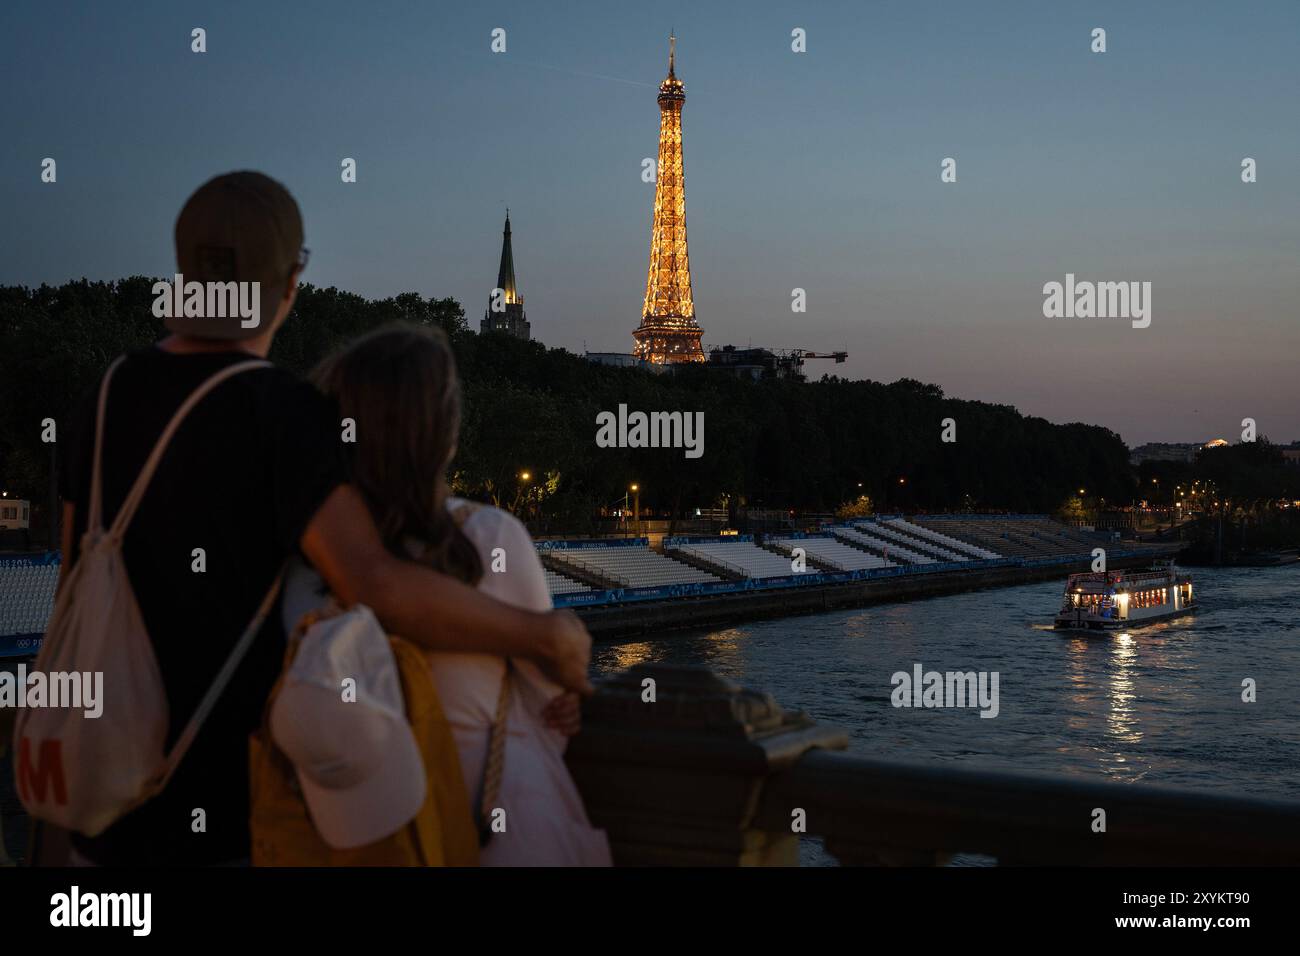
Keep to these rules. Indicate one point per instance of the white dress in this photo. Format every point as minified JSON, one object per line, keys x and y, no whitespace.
{"x":545,"y":821}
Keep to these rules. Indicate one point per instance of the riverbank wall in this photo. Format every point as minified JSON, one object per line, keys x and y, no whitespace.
{"x":631,"y":615}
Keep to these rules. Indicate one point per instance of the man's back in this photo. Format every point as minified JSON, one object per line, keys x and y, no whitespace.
{"x":241,"y":479}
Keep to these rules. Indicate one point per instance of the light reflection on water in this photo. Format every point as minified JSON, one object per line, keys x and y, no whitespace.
{"x":1122,"y":723}
{"x":1161,"y":704}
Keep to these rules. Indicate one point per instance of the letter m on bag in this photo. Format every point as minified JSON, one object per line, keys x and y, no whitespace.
{"x":45,"y":776}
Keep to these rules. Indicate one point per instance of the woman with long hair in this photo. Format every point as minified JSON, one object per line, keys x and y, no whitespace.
{"x":399,"y":385}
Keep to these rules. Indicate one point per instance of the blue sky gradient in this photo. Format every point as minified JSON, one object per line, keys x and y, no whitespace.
{"x":817,"y":170}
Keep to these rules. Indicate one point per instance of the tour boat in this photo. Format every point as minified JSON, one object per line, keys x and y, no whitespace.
{"x":1104,"y":600}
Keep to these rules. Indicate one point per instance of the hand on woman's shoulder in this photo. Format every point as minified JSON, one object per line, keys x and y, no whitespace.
{"x":484,"y":522}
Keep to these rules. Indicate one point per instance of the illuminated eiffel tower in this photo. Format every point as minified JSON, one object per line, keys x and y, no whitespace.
{"x":668,"y":333}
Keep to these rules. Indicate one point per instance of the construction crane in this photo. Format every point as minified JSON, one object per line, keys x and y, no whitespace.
{"x":802,"y":354}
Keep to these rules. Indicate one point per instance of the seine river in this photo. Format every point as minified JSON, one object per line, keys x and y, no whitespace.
{"x":1162,"y":704}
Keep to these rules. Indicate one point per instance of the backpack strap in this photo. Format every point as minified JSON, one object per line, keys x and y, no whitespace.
{"x":132,"y":501}
{"x":94,"y":518}
{"x":495,"y":765}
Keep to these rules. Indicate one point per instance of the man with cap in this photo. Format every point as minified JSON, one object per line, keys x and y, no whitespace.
{"x":253,"y":475}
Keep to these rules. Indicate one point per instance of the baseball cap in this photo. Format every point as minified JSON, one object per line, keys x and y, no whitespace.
{"x":357,"y":761}
{"x":237,"y":227}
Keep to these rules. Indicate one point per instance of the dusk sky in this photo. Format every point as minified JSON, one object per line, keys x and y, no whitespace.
{"x":817,"y":170}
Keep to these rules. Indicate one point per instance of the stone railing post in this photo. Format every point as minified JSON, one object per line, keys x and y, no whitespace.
{"x":672,"y":761}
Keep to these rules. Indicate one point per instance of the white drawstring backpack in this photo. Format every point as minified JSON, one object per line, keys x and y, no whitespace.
{"x":84,"y":773}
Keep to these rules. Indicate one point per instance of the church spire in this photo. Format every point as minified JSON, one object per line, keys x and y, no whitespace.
{"x":505,"y":311}
{"x":506,"y":273}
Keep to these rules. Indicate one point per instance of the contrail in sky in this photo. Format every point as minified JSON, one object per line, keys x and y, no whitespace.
{"x":594,"y":76}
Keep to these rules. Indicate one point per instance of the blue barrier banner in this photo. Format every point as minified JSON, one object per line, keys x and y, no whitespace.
{"x":20,"y":645}
{"x":677,"y":540}
{"x":582,"y":544}
{"x":31,"y":560}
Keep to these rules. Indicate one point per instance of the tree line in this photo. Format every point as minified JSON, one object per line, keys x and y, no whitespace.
{"x":813,"y":446}
{"x":1243,"y":498}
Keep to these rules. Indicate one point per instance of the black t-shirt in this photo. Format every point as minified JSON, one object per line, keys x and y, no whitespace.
{"x":241,"y":479}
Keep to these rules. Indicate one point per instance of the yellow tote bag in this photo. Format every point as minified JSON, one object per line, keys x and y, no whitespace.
{"x":441,"y":834}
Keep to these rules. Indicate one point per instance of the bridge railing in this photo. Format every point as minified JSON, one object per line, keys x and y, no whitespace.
{"x":683,"y":767}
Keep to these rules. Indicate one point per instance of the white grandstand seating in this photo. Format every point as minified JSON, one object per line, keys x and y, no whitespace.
{"x":862,"y":535}
{"x":634,"y":567}
{"x":931,"y":548}
{"x":740,"y":557}
{"x":27,"y":598}
{"x":1014,"y":536}
{"x":834,"y":553}
{"x":559,"y":584}
{"x":938,"y":536}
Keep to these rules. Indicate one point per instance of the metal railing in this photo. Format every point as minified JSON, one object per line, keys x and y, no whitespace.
{"x":713,"y":773}
{"x":590,"y":568}
{"x":705,"y":558}
{"x":878,"y":811}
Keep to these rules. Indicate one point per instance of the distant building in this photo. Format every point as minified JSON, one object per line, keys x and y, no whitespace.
{"x":756,"y":363}
{"x":505,"y":311}
{"x":1171,"y":451}
{"x":616,"y":359}
{"x":759,"y":363}
{"x":625,"y":360}
{"x":15,"y":514}
{"x":749,"y":363}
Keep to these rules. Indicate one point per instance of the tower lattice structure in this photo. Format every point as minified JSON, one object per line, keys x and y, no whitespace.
{"x":668,"y":332}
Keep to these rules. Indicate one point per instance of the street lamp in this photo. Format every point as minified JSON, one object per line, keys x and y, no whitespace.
{"x":636,"y":507}
{"x":524,"y":490}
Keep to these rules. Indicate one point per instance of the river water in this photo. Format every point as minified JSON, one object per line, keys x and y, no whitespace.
{"x":1160,"y":704}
